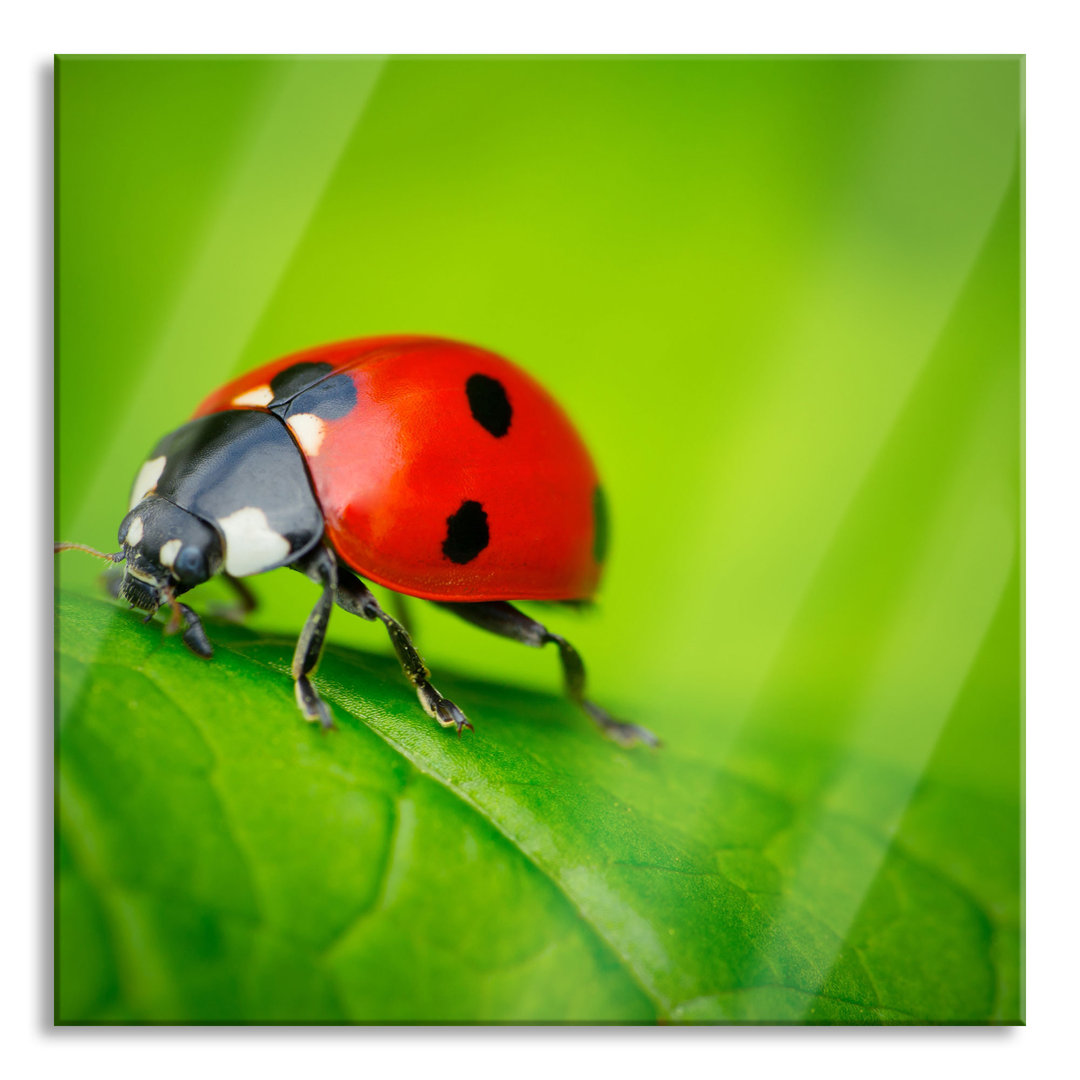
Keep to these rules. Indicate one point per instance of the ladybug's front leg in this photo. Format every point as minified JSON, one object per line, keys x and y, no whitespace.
{"x":195,"y":637}
{"x":355,"y":597}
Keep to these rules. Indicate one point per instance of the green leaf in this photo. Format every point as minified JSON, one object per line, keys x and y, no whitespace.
{"x":218,"y":860}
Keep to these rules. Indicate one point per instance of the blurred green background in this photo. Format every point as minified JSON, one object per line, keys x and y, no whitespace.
{"x":780,"y":297}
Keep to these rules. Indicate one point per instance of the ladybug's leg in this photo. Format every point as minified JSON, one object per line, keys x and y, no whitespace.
{"x":504,"y":619}
{"x":113,"y":579}
{"x":354,"y":596}
{"x":195,"y":636}
{"x":246,"y":601}
{"x":400,"y":608}
{"x":321,"y":568}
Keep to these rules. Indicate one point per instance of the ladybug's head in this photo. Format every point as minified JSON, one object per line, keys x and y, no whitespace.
{"x":167,"y":551}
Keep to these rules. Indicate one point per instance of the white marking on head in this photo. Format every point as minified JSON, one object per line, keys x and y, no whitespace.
{"x":134,"y":533}
{"x":309,"y":429}
{"x":251,"y":546}
{"x":169,"y":550}
{"x":147,"y":479}
{"x":261,"y":395}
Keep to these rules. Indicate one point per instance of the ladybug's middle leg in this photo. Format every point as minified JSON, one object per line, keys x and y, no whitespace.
{"x":504,"y":619}
{"x":355,"y":597}
{"x":322,"y":568}
{"x":246,"y":600}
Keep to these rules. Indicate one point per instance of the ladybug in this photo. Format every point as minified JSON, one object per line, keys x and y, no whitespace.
{"x":437,"y":469}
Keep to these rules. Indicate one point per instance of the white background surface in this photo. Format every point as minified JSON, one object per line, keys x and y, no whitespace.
{"x":1042,"y":31}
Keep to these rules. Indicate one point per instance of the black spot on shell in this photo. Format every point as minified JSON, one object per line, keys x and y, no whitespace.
{"x":329,"y":400}
{"x":290,"y":382}
{"x":489,"y":404}
{"x":600,"y":525}
{"x":466,"y":532}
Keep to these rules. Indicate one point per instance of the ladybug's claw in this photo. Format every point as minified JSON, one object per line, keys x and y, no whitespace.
{"x":353,"y":595}
{"x":620,"y":731}
{"x":311,"y":705}
{"x":444,"y":710}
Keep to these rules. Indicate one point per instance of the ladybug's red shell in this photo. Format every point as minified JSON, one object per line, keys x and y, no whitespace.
{"x":452,"y":476}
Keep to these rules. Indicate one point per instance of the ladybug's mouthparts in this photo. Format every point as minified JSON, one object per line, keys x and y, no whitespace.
{"x":145,"y":595}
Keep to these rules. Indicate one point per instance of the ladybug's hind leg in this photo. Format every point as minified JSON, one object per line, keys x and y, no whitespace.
{"x":355,"y":597}
{"x":505,"y":620}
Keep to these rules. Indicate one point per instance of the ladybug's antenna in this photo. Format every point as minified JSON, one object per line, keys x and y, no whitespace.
{"x":116,"y":557}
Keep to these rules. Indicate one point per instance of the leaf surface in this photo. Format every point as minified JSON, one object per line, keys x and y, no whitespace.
{"x":219,"y":860}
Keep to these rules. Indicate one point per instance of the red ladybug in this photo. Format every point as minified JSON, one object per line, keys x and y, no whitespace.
{"x":437,"y":469}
